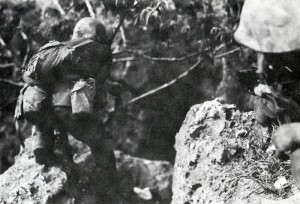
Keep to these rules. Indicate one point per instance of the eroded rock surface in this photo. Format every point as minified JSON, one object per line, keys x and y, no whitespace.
{"x":222,"y":157}
{"x":29,"y":183}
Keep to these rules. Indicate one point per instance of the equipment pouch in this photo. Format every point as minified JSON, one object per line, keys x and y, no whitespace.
{"x":34,"y":99}
{"x":19,"y":113}
{"x":83,"y":95}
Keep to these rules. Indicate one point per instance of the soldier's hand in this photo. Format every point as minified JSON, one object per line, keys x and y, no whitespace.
{"x":261,"y":89}
{"x":286,"y":137}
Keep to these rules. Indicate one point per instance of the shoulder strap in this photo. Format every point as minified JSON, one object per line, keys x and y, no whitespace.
{"x":50,"y":45}
{"x":81,"y":43}
{"x":56,"y":43}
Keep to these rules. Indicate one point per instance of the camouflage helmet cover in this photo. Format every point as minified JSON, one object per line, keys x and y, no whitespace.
{"x":271,"y":26}
{"x":90,"y":28}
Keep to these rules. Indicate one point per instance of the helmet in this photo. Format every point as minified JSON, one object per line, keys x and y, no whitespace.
{"x":270,"y":26}
{"x":90,"y":28}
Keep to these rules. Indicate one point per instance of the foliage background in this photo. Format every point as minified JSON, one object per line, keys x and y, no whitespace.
{"x":158,"y":41}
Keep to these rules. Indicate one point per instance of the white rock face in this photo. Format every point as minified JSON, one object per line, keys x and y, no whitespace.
{"x":29,"y":183}
{"x":222,"y":157}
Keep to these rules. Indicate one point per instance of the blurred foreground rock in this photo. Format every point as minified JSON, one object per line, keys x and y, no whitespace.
{"x":222,"y":157}
{"x":292,"y":200}
{"x":29,"y":183}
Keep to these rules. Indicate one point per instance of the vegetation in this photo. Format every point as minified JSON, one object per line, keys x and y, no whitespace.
{"x":168,"y":54}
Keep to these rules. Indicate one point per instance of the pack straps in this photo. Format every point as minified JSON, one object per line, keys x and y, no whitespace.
{"x":84,"y":42}
{"x":57,"y":43}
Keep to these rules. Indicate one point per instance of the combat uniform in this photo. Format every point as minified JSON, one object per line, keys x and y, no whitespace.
{"x":270,"y":28}
{"x":64,"y":93}
{"x":78,"y":97}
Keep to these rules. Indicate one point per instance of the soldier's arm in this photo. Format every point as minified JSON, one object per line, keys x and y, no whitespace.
{"x":287,"y":137}
{"x":105,"y":82}
{"x":112,"y":86}
{"x":101,"y":96}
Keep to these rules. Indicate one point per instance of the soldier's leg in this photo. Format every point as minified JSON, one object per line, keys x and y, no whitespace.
{"x":36,"y":107}
{"x":62,"y":116}
{"x":93,"y":134}
{"x":44,"y":139}
{"x":61,"y":103}
{"x":43,"y":145}
{"x":84,"y":128}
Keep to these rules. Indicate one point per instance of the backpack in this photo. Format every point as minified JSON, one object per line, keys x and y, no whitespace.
{"x":42,"y":67}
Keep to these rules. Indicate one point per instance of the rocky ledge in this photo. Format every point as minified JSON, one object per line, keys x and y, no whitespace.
{"x":142,"y":181}
{"x":224,"y":157}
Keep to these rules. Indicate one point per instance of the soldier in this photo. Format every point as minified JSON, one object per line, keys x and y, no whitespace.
{"x":68,"y":95}
{"x":79,"y":94}
{"x":272,"y":29}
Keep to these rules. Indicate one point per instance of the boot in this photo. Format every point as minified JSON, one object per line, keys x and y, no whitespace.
{"x":43,"y":146}
{"x":46,"y":157}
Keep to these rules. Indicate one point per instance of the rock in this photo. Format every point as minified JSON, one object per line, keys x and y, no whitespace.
{"x":280,"y":183}
{"x":144,"y":194}
{"x":155,"y":175}
{"x":9,"y":141}
{"x":292,"y":200}
{"x":28,"y":182}
{"x":217,"y":164}
{"x":80,"y":182}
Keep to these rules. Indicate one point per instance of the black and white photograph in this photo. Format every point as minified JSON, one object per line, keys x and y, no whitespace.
{"x":149,"y":102}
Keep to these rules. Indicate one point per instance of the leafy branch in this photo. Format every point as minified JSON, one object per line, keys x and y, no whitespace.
{"x":148,"y":12}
